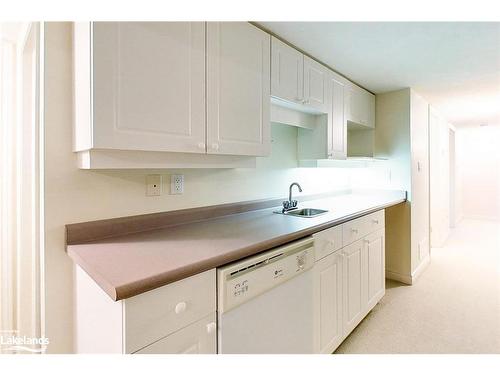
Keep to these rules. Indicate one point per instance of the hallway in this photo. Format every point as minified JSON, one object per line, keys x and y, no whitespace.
{"x":453,"y":308}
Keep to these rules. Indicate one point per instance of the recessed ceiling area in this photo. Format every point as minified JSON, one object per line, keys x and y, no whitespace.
{"x":454,"y":65}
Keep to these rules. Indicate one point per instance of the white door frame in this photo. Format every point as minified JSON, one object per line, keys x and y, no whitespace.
{"x":453,"y":176}
{"x":23,"y":274}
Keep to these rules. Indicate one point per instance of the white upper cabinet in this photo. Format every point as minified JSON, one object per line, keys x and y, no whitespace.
{"x":238,"y":89}
{"x":327,"y":139}
{"x":315,"y":85}
{"x":287,"y":72}
{"x":171,"y":94}
{"x":361,"y":107}
{"x":148,"y":86}
{"x":337,"y":119}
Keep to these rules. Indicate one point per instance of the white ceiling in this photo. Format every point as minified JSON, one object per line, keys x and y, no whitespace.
{"x":454,"y":65}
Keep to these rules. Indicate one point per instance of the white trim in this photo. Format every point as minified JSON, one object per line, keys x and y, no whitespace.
{"x":41,"y":177}
{"x":420,"y":269}
{"x":405,"y":279}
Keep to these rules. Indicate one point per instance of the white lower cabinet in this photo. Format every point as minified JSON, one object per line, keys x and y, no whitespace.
{"x":354,"y":293}
{"x":197,"y":338}
{"x":350,"y":280}
{"x":328,"y":310}
{"x":175,"y":318}
{"x":373,"y":251}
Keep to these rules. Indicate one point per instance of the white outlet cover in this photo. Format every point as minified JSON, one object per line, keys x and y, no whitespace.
{"x":153,"y":185}
{"x":176,"y":184}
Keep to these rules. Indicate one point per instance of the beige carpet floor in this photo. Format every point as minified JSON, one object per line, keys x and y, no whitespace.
{"x":454,"y":307}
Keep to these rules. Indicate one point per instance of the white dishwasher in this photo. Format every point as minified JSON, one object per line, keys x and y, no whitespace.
{"x":265,"y":302}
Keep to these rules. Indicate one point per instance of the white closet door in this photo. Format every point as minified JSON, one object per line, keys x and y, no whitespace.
{"x":238,"y":89}
{"x":149,"y":86}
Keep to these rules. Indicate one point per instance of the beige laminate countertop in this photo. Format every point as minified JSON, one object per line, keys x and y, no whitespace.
{"x":132,"y":264}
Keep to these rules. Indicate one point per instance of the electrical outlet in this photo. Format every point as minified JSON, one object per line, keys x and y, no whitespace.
{"x":153,"y":185}
{"x":176,"y":184}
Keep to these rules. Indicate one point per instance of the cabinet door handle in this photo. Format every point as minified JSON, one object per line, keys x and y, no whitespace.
{"x":354,"y":230}
{"x":375,"y":221}
{"x":366,"y":241}
{"x":211,"y":327}
{"x":331,"y":242}
{"x":180,"y":307}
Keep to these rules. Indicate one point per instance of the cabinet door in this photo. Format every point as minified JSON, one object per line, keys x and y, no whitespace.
{"x":337,"y":120}
{"x":149,"y":86}
{"x":354,"y":281}
{"x":238,"y":89}
{"x":328,"y":303}
{"x":197,"y":338}
{"x":374,"y":253}
{"x":287,"y":72}
{"x":315,"y":85}
{"x":361,"y":107}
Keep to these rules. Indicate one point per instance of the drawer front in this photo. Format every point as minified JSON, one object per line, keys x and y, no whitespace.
{"x":327,"y":241}
{"x":152,"y":315}
{"x":358,"y":228}
{"x":375,"y":221}
{"x":197,"y":338}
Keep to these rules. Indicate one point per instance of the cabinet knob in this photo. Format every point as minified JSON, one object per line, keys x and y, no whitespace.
{"x":201,"y":145}
{"x":375,"y":221}
{"x":305,"y":101}
{"x":211,"y":327}
{"x":215,"y":146}
{"x":331,"y":242}
{"x":180,"y":307}
{"x":354,"y":230}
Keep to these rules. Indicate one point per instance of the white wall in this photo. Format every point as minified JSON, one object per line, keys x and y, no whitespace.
{"x":73,"y":195}
{"x":478,"y":172}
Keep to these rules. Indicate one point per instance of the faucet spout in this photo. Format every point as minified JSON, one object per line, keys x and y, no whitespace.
{"x":291,"y":204}
{"x":291,"y":188}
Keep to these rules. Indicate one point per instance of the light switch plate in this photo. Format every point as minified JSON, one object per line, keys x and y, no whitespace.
{"x":176,"y":184}
{"x":153,"y":185}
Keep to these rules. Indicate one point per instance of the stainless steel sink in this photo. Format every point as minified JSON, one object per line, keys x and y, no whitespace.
{"x":305,"y":212}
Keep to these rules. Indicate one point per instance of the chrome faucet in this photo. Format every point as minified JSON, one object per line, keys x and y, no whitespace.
{"x":291,"y":204}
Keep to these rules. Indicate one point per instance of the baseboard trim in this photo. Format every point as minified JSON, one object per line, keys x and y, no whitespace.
{"x":405,"y":279}
{"x":420,"y":269}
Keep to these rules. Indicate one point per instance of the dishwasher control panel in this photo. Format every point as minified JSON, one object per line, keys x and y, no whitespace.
{"x":244,"y":280}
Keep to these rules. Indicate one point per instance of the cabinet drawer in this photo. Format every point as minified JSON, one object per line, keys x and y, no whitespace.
{"x":327,"y":241}
{"x":152,"y":315}
{"x":197,"y":338}
{"x":358,"y":228}
{"x":375,"y":221}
